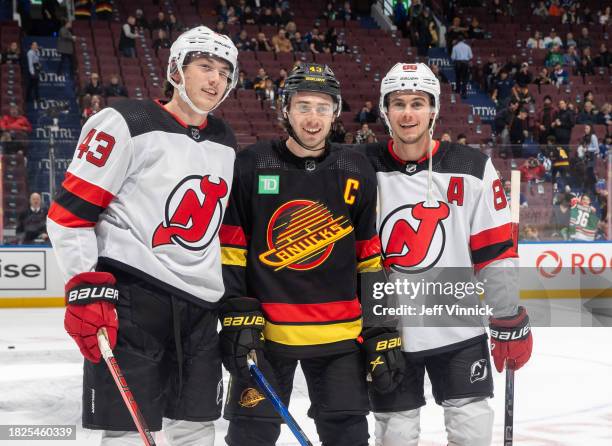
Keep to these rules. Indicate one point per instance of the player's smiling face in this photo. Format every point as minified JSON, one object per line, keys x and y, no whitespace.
{"x":409,"y":115}
{"x":206,"y":79}
{"x":311,"y":115}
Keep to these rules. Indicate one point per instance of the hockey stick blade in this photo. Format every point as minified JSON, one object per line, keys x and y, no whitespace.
{"x":282,"y":410}
{"x":124,"y":390}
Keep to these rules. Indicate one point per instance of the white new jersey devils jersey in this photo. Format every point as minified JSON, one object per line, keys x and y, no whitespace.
{"x":468,"y":225}
{"x":145,"y":193}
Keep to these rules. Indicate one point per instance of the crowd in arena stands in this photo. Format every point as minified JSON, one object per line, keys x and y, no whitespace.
{"x":14,"y":129}
{"x":32,"y":222}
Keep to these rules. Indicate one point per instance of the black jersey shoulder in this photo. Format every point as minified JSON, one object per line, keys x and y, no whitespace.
{"x":460,"y":159}
{"x":148,"y":116}
{"x":351,"y":160}
{"x":376,"y":154}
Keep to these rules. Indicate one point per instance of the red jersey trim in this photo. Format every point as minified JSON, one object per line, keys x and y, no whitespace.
{"x":368,"y":248}
{"x":320,"y":312}
{"x":420,"y":160}
{"x":179,"y":120}
{"x":491,"y":236}
{"x":232,"y":235}
{"x":64,"y":217}
{"x":87,"y":191}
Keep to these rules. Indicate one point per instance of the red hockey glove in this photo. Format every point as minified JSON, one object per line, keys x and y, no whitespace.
{"x":511,"y":340}
{"x":90,"y":306}
{"x":385,"y":362}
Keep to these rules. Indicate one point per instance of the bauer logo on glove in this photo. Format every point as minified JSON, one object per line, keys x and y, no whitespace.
{"x":239,"y":321}
{"x":89,"y":294}
{"x":384,"y":357}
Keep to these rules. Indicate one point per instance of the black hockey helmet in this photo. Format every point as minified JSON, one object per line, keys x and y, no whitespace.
{"x":312,"y":77}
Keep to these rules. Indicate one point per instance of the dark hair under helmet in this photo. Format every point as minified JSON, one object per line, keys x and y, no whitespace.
{"x":312,"y":77}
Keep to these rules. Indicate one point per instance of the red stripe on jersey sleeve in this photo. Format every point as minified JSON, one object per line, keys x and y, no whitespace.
{"x":64,"y":217}
{"x":232,"y":235}
{"x":507,"y":254}
{"x":87,"y":191}
{"x":368,"y":248}
{"x":320,"y":312}
{"x":491,"y":236}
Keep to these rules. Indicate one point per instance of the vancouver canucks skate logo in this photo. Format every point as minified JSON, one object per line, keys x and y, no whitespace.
{"x":301,"y":235}
{"x":193,"y":213}
{"x":413,"y":237}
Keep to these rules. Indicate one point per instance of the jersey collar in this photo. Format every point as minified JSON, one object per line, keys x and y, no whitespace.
{"x":179,"y":120}
{"x":410,"y":167}
{"x":309,"y":163}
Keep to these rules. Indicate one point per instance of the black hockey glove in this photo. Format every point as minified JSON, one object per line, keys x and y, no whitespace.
{"x":242,"y":324}
{"x":384,"y":359}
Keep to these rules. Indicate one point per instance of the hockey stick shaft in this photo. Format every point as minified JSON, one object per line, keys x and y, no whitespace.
{"x":124,"y":390}
{"x":282,"y":410}
{"x":515,"y":206}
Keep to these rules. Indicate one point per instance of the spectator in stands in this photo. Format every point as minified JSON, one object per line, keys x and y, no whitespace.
{"x":497,"y":9}
{"x":268,"y":93}
{"x":317,"y":45}
{"x":543,"y":78}
{"x":559,"y":158}
{"x":554,"y":56}
{"x":588,"y":114}
{"x":399,"y":9}
{"x":363,"y":133}
{"x":559,"y":76}
{"x":435,"y":69}
{"x":571,"y":60}
{"x":175,"y":26}
{"x":530,"y":234}
{"x":605,"y":146}
{"x":65,"y":47}
{"x":95,"y":105}
{"x":248,"y":16}
{"x":519,"y":131}
{"x":281,"y":43}
{"x":349,"y":138}
{"x":604,"y":17}
{"x":570,"y":16}
{"x":244,"y":83}
{"x":260,"y":81}
{"x":462,"y":139}
{"x":141,"y":23}
{"x":603,"y":59}
{"x":588,"y":96}
{"x":461,"y":56}
{"x":522,"y":95}
{"x":346,"y":12}
{"x":243,"y":42}
{"x":280,"y":81}
{"x":560,"y":219}
{"x":604,"y":116}
{"x":262,"y":43}
{"x":569,"y":40}
{"x":589,"y":144}
{"x":94,"y":86}
{"x":536,"y":42}
{"x":490,"y":73}
{"x":290,"y":29}
{"x":554,"y":10}
{"x":427,"y":33}
{"x":454,"y":31}
{"x":523,"y":77}
{"x":563,"y":123}
{"x":283,"y":15}
{"x":114,"y":88}
{"x":532,"y":172}
{"x":475,"y":31}
{"x":32,"y":223}
{"x":340,"y":46}
{"x":541,"y":10}
{"x":127,"y":41}
{"x":34,"y":68}
{"x":221,"y":10}
{"x":502,"y":89}
{"x":299,"y":44}
{"x":584,"y":41}
{"x":544,"y":121}
{"x":586,"y":67}
{"x":12,"y":54}
{"x":220,"y":28}
{"x":160,"y":22}
{"x":503,"y":120}
{"x":15,"y":124}
{"x":338,"y":132}
{"x":552,"y":40}
{"x":367,"y":113}
{"x":522,"y":198}
{"x":512,"y":66}
{"x":267,"y":18}
{"x":162,"y":41}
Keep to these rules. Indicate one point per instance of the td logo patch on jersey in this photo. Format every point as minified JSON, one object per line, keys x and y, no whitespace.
{"x":193,"y":213}
{"x":413,"y":237}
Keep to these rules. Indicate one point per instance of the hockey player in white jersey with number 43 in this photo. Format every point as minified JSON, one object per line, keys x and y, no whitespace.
{"x":134,"y":228}
{"x":442,"y":205}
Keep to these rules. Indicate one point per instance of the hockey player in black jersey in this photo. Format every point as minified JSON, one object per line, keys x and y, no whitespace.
{"x":441,"y":205}
{"x":299,"y":233}
{"x":135,"y":230}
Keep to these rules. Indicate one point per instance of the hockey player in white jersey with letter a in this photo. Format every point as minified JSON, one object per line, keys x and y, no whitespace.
{"x":441,"y":205}
{"x":135,"y":229}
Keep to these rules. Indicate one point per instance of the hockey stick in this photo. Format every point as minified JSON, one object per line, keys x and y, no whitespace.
{"x":282,"y":410}
{"x":126,"y":394}
{"x":515,"y":205}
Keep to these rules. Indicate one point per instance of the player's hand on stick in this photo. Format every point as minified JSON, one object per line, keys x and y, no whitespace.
{"x":90,"y":306}
{"x":511,"y":340}
{"x":384,"y":359}
{"x":242,"y":323}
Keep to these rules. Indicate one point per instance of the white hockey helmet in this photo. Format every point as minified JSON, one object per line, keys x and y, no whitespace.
{"x":410,"y":77}
{"x":201,"y":40}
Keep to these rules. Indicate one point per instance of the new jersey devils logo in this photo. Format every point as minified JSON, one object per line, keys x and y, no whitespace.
{"x":413,"y":237}
{"x":193,"y":213}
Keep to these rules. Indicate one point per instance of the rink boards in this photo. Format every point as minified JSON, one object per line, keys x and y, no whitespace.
{"x":30,"y":277}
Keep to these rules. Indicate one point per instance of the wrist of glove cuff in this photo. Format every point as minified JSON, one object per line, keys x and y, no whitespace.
{"x":513,"y":328}
{"x":89,"y":287}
